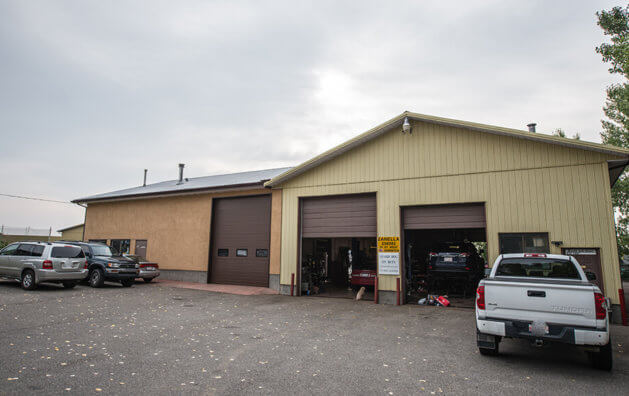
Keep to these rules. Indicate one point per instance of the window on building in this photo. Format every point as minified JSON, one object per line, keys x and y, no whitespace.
{"x":262,"y":252}
{"x":241,"y":252}
{"x":524,"y":243}
{"x":121,"y":245}
{"x":223,"y":252}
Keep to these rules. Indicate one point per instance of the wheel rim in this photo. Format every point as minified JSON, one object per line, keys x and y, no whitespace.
{"x":95,"y":277}
{"x":28,"y":280}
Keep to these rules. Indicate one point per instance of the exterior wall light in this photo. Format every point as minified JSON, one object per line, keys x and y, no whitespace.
{"x":406,"y":126}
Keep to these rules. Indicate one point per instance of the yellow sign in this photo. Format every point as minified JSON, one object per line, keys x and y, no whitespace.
{"x":388,"y":244}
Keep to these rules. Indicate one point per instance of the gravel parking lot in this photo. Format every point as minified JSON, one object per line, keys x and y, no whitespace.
{"x":162,"y":340}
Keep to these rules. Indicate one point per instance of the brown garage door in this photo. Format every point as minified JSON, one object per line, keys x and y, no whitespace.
{"x":432,"y":217}
{"x":240,"y":241}
{"x":339,"y":216}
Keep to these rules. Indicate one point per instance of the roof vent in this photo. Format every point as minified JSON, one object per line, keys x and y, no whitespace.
{"x":181,"y":173}
{"x":532,"y":126}
{"x":144,"y":184}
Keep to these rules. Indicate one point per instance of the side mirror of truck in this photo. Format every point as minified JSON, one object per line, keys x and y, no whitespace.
{"x":590,"y":275}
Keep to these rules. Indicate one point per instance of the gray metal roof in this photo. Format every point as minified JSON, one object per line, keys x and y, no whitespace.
{"x":215,"y":182}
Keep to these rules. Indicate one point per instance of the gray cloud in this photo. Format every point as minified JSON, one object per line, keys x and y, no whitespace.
{"x":94,"y":92}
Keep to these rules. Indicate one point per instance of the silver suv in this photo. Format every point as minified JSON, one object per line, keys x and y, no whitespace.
{"x":35,"y":262}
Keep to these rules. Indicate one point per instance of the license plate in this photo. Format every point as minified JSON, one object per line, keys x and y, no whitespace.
{"x":447,"y":259}
{"x":149,"y":268}
{"x":364,"y":275}
{"x":67,"y":265}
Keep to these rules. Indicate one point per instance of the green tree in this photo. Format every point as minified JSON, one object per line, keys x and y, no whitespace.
{"x":615,"y":24}
{"x":559,"y":132}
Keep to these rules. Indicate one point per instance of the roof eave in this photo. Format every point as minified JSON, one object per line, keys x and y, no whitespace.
{"x":217,"y":189}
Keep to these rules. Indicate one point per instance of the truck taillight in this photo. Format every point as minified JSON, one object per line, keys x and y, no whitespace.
{"x":480,"y":297}
{"x":432,"y":254}
{"x":47,"y":264}
{"x":467,"y":268}
{"x":599,"y":304}
{"x":85,"y":265}
{"x":464,"y":254}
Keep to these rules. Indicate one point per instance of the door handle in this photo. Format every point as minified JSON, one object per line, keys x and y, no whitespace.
{"x":536,"y":293}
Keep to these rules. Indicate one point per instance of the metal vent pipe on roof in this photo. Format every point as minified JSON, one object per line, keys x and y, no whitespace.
{"x":144,"y":184}
{"x":531,"y":127}
{"x":181,"y":173}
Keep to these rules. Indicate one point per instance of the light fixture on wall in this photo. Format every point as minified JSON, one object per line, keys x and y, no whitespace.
{"x":406,"y":126}
{"x":557,"y":243}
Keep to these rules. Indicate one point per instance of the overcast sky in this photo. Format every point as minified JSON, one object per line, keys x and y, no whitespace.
{"x":91,"y":93}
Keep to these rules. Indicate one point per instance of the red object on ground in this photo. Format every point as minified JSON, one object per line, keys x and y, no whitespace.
{"x":623,"y":308}
{"x":375,"y":290}
{"x":363,"y":277}
{"x":443,"y":301}
{"x":292,"y":284}
{"x":397,"y":288}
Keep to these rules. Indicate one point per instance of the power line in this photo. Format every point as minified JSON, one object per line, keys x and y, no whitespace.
{"x":35,"y":199}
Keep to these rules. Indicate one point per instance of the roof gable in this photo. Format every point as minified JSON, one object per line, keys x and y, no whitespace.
{"x":396,"y":124}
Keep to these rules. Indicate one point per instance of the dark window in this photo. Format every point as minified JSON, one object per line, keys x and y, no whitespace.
{"x":37,"y":251}
{"x":223,"y":252}
{"x":241,"y":253}
{"x":67,"y":252}
{"x":262,"y":252}
{"x":9,"y":250}
{"x":537,"y":268}
{"x":99,"y":241}
{"x":121,"y":245}
{"x":524,"y":243}
{"x":24,"y":250}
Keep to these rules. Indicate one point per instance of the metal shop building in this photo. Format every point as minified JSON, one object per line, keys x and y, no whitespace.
{"x":415,"y":179}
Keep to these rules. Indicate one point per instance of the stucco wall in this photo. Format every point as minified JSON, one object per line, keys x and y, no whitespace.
{"x":177,"y":228}
{"x":526,"y":187}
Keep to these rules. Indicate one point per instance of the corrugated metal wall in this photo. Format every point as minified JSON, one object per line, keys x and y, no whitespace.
{"x":526,"y":187}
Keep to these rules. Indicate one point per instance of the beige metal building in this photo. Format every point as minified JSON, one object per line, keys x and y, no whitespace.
{"x":509,"y":189}
{"x":219,"y":229}
{"x":72,"y":233}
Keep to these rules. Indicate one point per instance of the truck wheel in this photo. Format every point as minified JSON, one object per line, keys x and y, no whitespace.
{"x":97,"y":278}
{"x":483,"y":341}
{"x":127,"y":282}
{"x":69,"y":285}
{"x":28,"y":280}
{"x":602,"y":359}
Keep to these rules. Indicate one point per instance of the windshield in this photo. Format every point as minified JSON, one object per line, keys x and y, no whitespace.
{"x":537,"y":268}
{"x":102,"y":250}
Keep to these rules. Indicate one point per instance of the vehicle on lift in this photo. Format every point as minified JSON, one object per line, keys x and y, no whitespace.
{"x":454,"y":263}
{"x":148,"y":269}
{"x":35,"y":262}
{"x":106,"y":264}
{"x":544,"y":298}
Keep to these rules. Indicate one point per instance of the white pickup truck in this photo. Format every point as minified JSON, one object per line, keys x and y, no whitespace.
{"x":543,"y":298}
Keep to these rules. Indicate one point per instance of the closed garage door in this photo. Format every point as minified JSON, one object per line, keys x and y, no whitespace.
{"x":339,"y":216}
{"x":434,"y":217}
{"x":240,"y":241}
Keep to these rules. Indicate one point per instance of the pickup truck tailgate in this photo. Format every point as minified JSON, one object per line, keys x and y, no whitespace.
{"x":570,"y":303}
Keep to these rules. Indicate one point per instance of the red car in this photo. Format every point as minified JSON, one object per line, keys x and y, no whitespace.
{"x":362,"y":277}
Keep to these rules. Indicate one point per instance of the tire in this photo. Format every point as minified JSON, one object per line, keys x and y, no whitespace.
{"x":148,"y":280}
{"x":127,"y":282}
{"x":602,"y":360}
{"x":96,"y":278}
{"x":28,"y":280}
{"x":489,"y":351}
{"x":485,"y":351}
{"x":69,"y":285}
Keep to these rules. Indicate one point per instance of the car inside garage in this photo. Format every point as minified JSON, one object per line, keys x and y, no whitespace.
{"x":240,"y":240}
{"x":444,"y":252}
{"x":338,"y":245}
